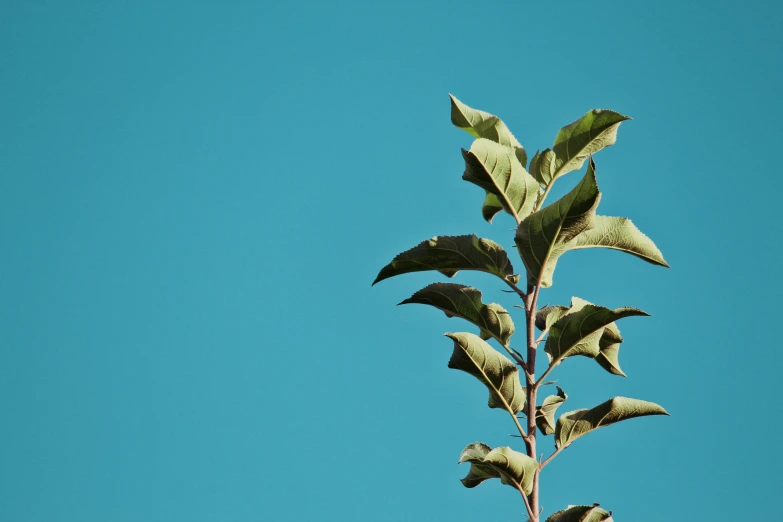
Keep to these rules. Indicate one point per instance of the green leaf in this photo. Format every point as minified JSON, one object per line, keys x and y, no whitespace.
{"x":541,"y":237}
{"x":577,"y":141}
{"x":619,"y":234}
{"x":464,"y":301}
{"x":542,"y":166}
{"x":491,"y":207}
{"x":496,"y":169}
{"x":450,"y":254}
{"x":482,"y":124}
{"x":574,"y":424}
{"x":511,"y":467}
{"x":609,"y":350}
{"x":581,"y":514}
{"x":501,"y":377}
{"x":580,"y":330}
{"x":548,"y":315}
{"x":545,"y":414}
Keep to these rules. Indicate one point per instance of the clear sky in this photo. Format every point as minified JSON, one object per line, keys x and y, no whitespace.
{"x":195,"y":198}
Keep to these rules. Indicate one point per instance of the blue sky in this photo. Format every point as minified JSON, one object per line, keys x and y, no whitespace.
{"x":195,"y":197}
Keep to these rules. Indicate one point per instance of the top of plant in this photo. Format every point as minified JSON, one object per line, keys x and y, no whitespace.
{"x":497,"y":163}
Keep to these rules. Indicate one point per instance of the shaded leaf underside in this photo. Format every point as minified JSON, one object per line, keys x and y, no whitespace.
{"x":511,"y":467}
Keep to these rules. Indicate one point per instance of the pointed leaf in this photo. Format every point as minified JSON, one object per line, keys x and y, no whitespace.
{"x":450,"y":254}
{"x":608,"y":356}
{"x":501,"y":377}
{"x":464,"y":301}
{"x":497,"y":170}
{"x":619,"y":234}
{"x":579,"y":332}
{"x":511,"y":467}
{"x":491,"y":207}
{"x":541,"y":237}
{"x":482,"y":124}
{"x":545,"y":414}
{"x":578,"y":140}
{"x":581,"y":514}
{"x":574,"y":424}
{"x":542,"y":166}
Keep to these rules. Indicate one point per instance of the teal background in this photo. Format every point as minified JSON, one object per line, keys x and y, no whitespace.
{"x":195,"y":197}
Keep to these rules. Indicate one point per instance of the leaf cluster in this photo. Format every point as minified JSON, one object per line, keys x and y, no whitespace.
{"x":498,"y":164}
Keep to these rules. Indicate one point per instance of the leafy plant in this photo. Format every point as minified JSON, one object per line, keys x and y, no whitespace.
{"x":498,"y":163}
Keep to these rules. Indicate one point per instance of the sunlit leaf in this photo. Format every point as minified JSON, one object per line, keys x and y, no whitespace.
{"x":511,"y":467}
{"x":501,"y":377}
{"x":579,"y":331}
{"x":464,"y":301}
{"x":578,"y":140}
{"x":574,"y":424}
{"x":482,"y":124}
{"x":541,"y":237}
{"x":496,"y":169}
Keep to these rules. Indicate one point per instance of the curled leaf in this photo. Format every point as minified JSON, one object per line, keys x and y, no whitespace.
{"x":450,"y":254}
{"x":464,"y":301}
{"x":545,"y":414}
{"x":574,"y":424}
{"x":501,"y":377}
{"x":480,"y":124}
{"x":511,"y":467}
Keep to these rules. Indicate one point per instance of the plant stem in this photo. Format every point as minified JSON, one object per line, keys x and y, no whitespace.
{"x":532,"y":389}
{"x":553,"y":455}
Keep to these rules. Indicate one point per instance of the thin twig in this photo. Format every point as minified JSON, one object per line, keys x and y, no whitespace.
{"x":527,"y":504}
{"x":516,"y":289}
{"x":553,"y":455}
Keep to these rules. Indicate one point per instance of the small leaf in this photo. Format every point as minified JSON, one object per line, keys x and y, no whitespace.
{"x":545,"y":414}
{"x":482,"y":124}
{"x":496,"y":169}
{"x":580,"y":330}
{"x":574,"y":424}
{"x":607,"y":357}
{"x":581,"y":514}
{"x":511,"y":467}
{"x":542,"y":166}
{"x":541,"y":237}
{"x":548,"y":315}
{"x":464,"y":301}
{"x":578,"y":140}
{"x":450,"y":254}
{"x":501,"y":377}
{"x":491,"y":207}
{"x":619,"y":234}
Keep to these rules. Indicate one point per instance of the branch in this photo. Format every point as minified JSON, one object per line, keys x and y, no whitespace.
{"x":553,"y":455}
{"x":516,"y":289}
{"x":527,"y":504}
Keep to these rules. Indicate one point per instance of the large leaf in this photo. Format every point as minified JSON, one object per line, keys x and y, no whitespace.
{"x":541,"y":237}
{"x":482,"y":124}
{"x":579,"y":332}
{"x":450,"y":254}
{"x":511,"y":467}
{"x":587,"y":135}
{"x":501,"y":377}
{"x":464,"y":301}
{"x":581,"y":514}
{"x":497,"y":170}
{"x":619,"y":234}
{"x":574,"y":424}
{"x":545,"y":414}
